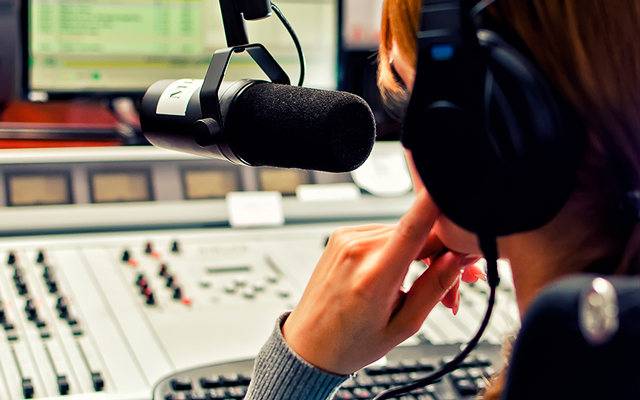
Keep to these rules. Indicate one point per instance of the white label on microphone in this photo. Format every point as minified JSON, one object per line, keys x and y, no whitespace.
{"x":249,"y":209}
{"x":175,"y":98}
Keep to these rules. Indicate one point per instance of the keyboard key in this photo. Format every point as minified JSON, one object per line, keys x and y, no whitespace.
{"x":480,"y":383}
{"x":414,"y":376}
{"x":350,"y":383}
{"x":375,"y":390}
{"x":230,"y":379}
{"x":244,"y":379}
{"x":410,"y":365}
{"x":343,"y":394}
{"x":488,"y":372}
{"x":218,"y":394}
{"x":426,"y":364}
{"x":393,"y":367}
{"x":210,"y":382}
{"x":482,"y":360}
{"x":465,"y":387}
{"x":458,"y":374}
{"x":475,"y":373}
{"x":180,"y":384}
{"x":237,"y":392}
{"x":361,"y":393}
{"x":400,"y":379}
{"x":364,"y":381}
{"x":376,"y":370}
{"x":384,"y":380}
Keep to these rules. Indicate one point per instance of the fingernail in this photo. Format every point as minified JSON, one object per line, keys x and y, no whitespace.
{"x":468,"y":261}
{"x":457,"y":305}
{"x":480,"y":275}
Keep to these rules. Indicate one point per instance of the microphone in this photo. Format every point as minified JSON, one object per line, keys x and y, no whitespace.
{"x":263,"y":124}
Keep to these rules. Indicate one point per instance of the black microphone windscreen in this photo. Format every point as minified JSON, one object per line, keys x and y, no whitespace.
{"x":294,"y":127}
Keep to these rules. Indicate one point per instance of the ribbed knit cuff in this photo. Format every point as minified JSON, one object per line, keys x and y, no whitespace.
{"x":281,"y":374}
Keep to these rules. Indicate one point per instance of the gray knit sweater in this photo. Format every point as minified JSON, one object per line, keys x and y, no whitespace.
{"x":281,"y":374}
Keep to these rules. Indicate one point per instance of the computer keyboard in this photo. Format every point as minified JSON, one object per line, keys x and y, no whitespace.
{"x":402,"y":365}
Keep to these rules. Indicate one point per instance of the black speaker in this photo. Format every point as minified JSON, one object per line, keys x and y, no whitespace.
{"x":495,"y":144}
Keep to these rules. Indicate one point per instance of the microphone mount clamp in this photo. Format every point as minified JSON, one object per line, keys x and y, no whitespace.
{"x":209,"y":130}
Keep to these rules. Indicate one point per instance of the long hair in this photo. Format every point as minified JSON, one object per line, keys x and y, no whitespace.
{"x":590,"y":50}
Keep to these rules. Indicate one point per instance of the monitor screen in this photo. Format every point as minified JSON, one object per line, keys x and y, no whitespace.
{"x":361,"y":24}
{"x":359,"y":33}
{"x":124,"y":46}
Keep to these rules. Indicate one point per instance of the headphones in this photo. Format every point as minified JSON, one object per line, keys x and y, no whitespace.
{"x":494,"y":143}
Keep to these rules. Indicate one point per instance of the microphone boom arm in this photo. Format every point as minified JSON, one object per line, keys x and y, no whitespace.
{"x":234,"y":14}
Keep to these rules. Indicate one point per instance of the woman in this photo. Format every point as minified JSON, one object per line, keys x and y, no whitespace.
{"x":353,"y":310}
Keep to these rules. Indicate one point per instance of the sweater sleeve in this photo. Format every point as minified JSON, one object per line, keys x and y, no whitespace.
{"x":281,"y":374}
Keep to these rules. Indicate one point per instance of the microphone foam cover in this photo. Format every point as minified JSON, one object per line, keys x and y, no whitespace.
{"x":294,"y":127}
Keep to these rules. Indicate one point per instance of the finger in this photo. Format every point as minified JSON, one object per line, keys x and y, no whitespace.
{"x":425,"y":293}
{"x":346,"y":235}
{"x":449,"y":299}
{"x":432,"y":248}
{"x":473,"y":273}
{"x":468,"y":276}
{"x":370,"y":227}
{"x":408,"y":238}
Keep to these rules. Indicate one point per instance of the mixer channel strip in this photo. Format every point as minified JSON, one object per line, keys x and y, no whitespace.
{"x":96,"y":377}
{"x":63,"y":384}
{"x":27,"y":386}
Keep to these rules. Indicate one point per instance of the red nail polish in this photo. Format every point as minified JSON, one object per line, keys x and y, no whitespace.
{"x":456,"y":306}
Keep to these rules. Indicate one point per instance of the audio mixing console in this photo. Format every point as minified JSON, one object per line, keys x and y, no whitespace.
{"x":103,"y":299}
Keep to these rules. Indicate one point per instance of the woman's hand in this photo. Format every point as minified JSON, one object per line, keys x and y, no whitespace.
{"x":354,"y":310}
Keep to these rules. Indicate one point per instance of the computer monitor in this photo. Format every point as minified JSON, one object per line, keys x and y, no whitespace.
{"x":359,"y":34}
{"x":121,"y":47}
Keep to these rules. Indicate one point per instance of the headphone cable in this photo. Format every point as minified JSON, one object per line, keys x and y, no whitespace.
{"x":490,"y":252}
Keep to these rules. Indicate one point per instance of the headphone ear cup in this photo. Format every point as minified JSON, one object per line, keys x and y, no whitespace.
{"x":535,"y":135}
{"x":445,"y":141}
{"x":507,"y":166}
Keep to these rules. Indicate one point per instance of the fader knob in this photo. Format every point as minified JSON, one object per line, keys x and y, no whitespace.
{"x":126,"y":256}
{"x":17,"y":275}
{"x":177,"y":293}
{"x":170,"y":280}
{"x":30,"y":309}
{"x":27,"y":388}
{"x":22,"y":288}
{"x":40,"y":258}
{"x":63,"y":385}
{"x":62,"y":307}
{"x":52,"y":286}
{"x":163,"y":270}
{"x":175,"y":247}
{"x":98,"y":382}
{"x":151,"y":300}
{"x":148,"y":249}
{"x":12,"y":258}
